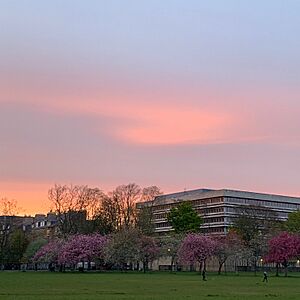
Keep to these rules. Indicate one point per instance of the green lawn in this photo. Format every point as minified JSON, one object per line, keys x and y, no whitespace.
{"x":56,"y":286}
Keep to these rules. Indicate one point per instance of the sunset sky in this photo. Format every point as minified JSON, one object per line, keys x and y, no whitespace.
{"x":180,"y":94}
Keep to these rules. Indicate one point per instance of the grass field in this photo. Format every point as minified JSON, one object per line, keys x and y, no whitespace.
{"x":56,"y":286}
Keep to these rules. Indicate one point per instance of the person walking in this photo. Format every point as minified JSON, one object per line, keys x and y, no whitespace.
{"x":265,"y":277}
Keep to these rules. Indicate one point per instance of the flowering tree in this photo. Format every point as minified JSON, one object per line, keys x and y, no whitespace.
{"x":283,"y":248}
{"x":122,"y":248}
{"x":147,"y":250}
{"x":227,"y":246}
{"x":82,"y":248}
{"x":169,"y":246}
{"x":49,"y":252}
{"x":196,"y":248}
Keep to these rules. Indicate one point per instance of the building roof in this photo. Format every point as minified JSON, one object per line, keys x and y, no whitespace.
{"x":210,"y":193}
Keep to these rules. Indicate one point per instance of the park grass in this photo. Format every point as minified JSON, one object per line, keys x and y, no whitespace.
{"x":57,"y":286}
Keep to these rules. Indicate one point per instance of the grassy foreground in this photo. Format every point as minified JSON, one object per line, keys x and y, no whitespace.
{"x":55,"y":286}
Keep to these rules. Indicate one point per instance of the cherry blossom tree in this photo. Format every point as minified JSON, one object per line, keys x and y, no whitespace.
{"x":227,"y":246}
{"x":82,"y":248}
{"x":283,"y":248}
{"x":122,"y":248}
{"x":196,"y":248}
{"x":49,"y":253}
{"x":169,"y":246}
{"x":148,"y":250}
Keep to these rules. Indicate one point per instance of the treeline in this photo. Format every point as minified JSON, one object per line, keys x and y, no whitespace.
{"x":79,"y":210}
{"x":107,"y":231}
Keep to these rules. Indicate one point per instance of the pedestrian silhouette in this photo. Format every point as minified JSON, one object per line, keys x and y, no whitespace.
{"x":265,"y":277}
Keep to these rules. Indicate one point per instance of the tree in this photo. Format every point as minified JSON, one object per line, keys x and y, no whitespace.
{"x":169,"y":246}
{"x":254,"y":221}
{"x":147,"y":250}
{"x":127,"y":196}
{"x":257,"y":248}
{"x":82,"y":248}
{"x":184,"y":218}
{"x":283,"y":248}
{"x":17,"y":244}
{"x":108,"y":216}
{"x":8,"y":223}
{"x":122,"y":249}
{"x":144,"y":219}
{"x":196,"y":248}
{"x":227,"y":246}
{"x":293,"y":222}
{"x":49,"y":253}
{"x":33,"y":247}
{"x":73,"y":205}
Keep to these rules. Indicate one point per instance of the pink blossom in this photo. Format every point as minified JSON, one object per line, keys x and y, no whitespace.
{"x":49,"y":252}
{"x":283,"y":247}
{"x":82,"y":248}
{"x":196,"y":248}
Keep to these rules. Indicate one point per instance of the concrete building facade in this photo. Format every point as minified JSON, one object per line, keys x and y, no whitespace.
{"x":218,"y":208}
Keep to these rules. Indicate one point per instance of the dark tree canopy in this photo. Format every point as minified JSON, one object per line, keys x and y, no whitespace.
{"x":293,"y":222}
{"x":184,"y":218}
{"x":254,"y":221}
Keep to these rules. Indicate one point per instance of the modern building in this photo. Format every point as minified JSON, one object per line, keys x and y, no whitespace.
{"x":218,"y":208}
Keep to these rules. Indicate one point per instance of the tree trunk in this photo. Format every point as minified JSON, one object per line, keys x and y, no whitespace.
{"x":220,"y":267}
{"x":200,"y":266}
{"x":285,"y":264}
{"x":172,"y":263}
{"x":277,"y":269}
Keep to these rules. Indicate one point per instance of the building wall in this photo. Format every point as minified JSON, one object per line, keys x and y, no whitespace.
{"x":218,"y":208}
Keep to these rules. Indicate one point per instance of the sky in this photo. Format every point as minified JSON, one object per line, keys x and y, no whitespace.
{"x":179,"y":94}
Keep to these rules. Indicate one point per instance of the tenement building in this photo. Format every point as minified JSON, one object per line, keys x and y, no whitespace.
{"x":218,"y":208}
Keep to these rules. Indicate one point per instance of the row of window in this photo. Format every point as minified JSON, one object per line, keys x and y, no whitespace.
{"x":215,"y":230}
{"x":160,"y":225}
{"x":208,"y":201}
{"x":208,"y":211}
{"x":262,"y":203}
{"x":234,"y":210}
{"x":203,"y":212}
{"x":194,"y":203}
{"x":43,"y":224}
{"x":213,"y":220}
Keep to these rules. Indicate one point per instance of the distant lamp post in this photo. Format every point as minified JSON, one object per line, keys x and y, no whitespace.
{"x":261,"y":262}
{"x":169,"y":250}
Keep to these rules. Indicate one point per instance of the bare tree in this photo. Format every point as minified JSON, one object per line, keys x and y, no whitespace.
{"x":8,"y":209}
{"x":74,"y":205}
{"x":127,"y":196}
{"x":107,"y":218}
{"x":144,"y":215}
{"x":255,"y":224}
{"x":149,"y":193}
